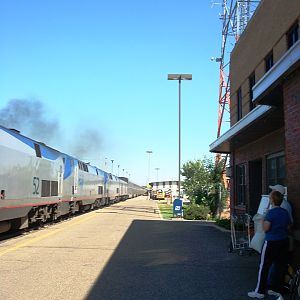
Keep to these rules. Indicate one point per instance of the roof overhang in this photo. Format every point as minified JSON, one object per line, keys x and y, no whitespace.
{"x":268,"y":89}
{"x":257,"y":123}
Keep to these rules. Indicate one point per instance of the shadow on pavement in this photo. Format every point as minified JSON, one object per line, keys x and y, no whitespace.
{"x":175,"y":260}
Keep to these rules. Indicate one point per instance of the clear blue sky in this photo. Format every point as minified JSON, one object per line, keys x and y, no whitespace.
{"x":101,"y":66}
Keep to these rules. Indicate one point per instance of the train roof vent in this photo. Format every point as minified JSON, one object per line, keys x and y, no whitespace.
{"x":15,"y":130}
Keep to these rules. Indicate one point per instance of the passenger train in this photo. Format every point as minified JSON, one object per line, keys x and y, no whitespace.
{"x":39,"y":183}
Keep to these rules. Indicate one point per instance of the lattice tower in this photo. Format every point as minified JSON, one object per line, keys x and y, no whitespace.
{"x":234,"y":16}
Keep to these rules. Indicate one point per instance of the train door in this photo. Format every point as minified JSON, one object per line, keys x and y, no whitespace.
{"x":61,"y":177}
{"x":76,"y":177}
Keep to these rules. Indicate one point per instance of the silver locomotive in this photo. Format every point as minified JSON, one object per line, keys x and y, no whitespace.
{"x":39,"y":183}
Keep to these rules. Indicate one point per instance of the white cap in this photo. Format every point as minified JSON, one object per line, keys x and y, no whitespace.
{"x":279,"y":188}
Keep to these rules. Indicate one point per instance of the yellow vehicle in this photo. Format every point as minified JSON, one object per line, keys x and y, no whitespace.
{"x":168,"y":193}
{"x":160,"y":195}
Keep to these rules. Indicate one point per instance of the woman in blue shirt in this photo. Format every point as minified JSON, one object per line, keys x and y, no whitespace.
{"x":275,"y":249}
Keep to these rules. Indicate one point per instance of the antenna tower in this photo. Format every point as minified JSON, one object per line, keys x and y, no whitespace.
{"x":234,"y":16}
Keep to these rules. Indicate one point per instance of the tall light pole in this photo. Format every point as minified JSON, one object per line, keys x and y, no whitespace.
{"x":179,"y":77}
{"x":149,"y":153}
{"x":105,"y":164}
{"x":112,"y":165}
{"x":148,"y":179}
{"x":157,"y":169}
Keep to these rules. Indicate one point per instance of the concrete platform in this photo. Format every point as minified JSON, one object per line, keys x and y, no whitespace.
{"x":125,"y":252}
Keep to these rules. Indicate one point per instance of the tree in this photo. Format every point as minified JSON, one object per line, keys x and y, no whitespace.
{"x":204,"y":184}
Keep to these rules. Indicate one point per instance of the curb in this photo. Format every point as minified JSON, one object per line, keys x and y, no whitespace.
{"x":209,"y":223}
{"x":157,"y":209}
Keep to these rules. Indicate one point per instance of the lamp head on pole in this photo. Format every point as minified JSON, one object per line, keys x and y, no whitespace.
{"x":179,"y":76}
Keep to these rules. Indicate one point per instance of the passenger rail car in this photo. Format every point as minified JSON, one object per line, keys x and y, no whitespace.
{"x":39,"y":183}
{"x":133,"y":190}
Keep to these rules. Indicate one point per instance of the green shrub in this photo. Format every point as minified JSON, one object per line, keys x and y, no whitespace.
{"x":225,"y":223}
{"x":196,"y":212}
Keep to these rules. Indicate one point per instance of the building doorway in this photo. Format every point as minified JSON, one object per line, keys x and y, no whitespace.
{"x":255,"y":185}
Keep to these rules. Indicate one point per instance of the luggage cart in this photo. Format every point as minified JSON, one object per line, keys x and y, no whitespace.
{"x":240,"y":229}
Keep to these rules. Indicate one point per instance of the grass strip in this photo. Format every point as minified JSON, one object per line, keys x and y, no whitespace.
{"x":166,"y":211}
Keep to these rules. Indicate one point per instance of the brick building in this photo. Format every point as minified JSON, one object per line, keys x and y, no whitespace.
{"x":264,"y":138}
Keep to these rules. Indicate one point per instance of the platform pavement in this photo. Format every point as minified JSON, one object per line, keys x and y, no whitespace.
{"x":125,"y":251}
{"x":159,"y":259}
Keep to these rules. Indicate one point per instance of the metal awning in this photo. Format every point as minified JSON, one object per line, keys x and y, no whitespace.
{"x":262,"y":120}
{"x":268,"y":89}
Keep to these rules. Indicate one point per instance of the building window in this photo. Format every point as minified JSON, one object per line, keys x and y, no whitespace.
{"x":292,"y":35}
{"x":276,"y":169}
{"x":251,"y":85}
{"x":239,"y":104}
{"x":241,"y":184}
{"x":269,"y":62}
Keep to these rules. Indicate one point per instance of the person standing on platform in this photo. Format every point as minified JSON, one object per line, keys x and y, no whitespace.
{"x":276,"y":225}
{"x":285,"y":203}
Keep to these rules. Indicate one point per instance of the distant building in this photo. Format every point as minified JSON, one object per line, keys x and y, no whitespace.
{"x":264,"y":138}
{"x":165,"y":186}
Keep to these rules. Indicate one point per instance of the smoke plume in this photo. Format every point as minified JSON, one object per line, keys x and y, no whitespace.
{"x":86,"y":144}
{"x":30,"y":117}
